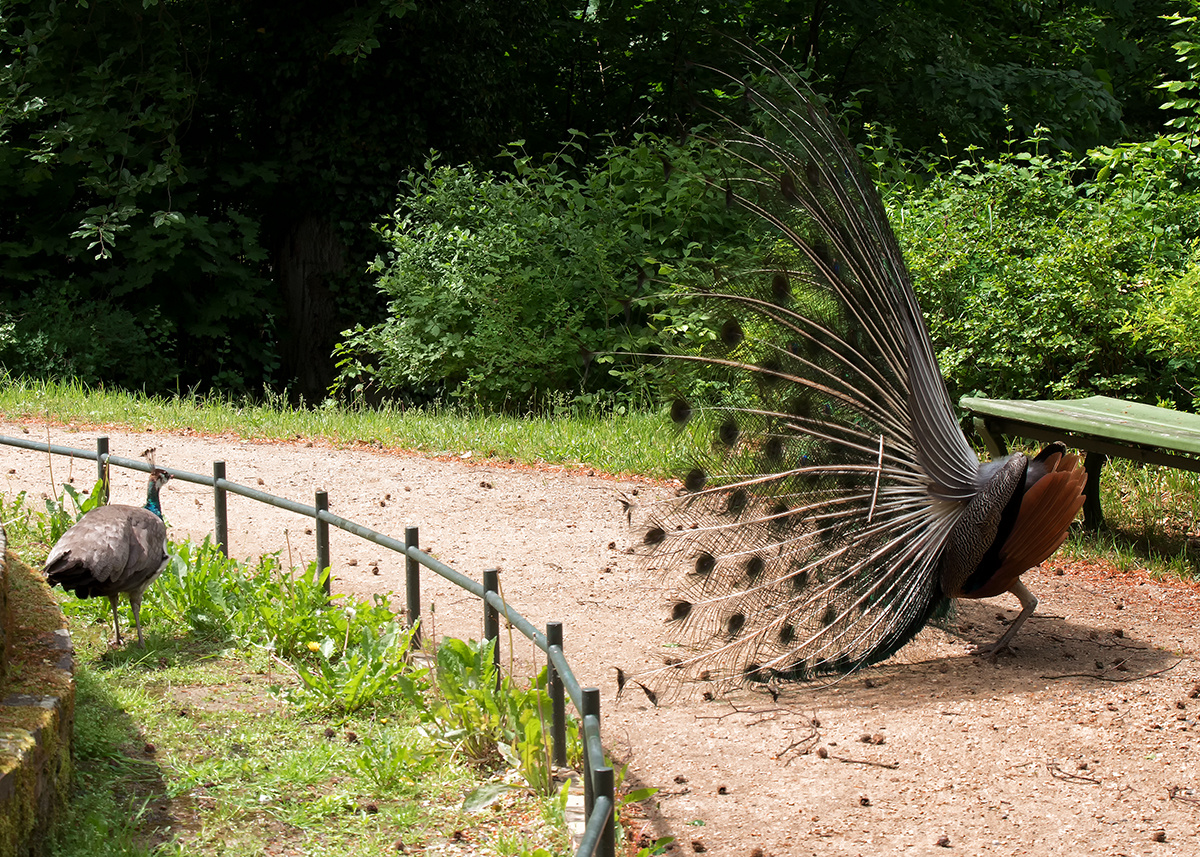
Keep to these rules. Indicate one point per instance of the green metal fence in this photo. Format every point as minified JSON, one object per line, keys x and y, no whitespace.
{"x":599,"y":837}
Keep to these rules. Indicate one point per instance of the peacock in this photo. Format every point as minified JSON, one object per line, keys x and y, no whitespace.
{"x":831,"y":505}
{"x":113,"y":550}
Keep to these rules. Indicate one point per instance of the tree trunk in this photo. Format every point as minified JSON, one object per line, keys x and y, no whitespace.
{"x":307,"y":255}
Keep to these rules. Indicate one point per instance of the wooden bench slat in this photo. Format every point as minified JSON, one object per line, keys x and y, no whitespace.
{"x":1100,"y":416}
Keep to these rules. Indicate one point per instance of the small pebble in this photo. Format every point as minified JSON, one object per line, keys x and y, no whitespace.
{"x":944,"y":841}
{"x":864,"y":801}
{"x":698,"y":846}
{"x":822,"y":753}
{"x":1158,"y":836}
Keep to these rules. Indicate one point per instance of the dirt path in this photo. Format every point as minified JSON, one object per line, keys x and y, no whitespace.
{"x":1086,"y":740}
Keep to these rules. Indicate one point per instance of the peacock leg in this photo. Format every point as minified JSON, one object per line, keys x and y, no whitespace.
{"x":1029,"y":603}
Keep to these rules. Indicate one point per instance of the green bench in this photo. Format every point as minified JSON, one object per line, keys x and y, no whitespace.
{"x":1099,"y":426}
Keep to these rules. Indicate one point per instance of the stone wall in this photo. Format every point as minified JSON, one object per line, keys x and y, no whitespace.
{"x":37,"y":708}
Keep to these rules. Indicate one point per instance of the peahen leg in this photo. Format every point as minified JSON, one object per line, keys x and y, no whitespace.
{"x":1029,"y":603}
{"x":113,"y":599}
{"x":135,"y":601}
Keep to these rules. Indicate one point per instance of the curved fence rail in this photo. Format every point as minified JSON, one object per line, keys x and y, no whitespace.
{"x":599,"y":836}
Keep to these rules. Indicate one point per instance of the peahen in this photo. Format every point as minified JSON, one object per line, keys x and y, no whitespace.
{"x":113,"y":550}
{"x":831,"y":503}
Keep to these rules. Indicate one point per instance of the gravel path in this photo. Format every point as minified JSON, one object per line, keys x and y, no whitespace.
{"x":1087,"y":739}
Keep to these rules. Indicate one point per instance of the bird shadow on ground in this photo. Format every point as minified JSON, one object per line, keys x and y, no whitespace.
{"x":159,"y":653}
{"x":1048,"y":649}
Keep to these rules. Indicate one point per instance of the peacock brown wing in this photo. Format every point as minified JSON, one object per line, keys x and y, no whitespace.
{"x":1047,"y":509}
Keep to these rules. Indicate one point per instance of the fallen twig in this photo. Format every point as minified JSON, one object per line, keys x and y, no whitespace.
{"x":1103,"y":677}
{"x":1176,"y":793}
{"x":1059,"y":774}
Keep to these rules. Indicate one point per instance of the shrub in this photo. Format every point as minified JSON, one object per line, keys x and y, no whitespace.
{"x":509,"y":289}
{"x":1038,"y":274}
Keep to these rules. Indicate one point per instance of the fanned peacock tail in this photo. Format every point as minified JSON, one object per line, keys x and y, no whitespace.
{"x":821,"y":495}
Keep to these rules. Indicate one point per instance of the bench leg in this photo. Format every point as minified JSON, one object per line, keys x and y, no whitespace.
{"x":994,"y":443}
{"x":1093,"y":515}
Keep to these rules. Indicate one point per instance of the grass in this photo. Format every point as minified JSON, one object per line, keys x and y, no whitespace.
{"x":182,"y":749}
{"x":1152,"y":521}
{"x":244,"y":728}
{"x":630,"y":443}
{"x":1153,"y":513}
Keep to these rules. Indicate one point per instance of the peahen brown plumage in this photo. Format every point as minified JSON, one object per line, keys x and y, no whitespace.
{"x":832,"y":504}
{"x":113,"y":550}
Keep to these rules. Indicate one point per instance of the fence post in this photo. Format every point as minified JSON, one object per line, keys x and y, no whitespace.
{"x":322,"y":528}
{"x":558,"y":703}
{"x":491,"y":617}
{"x":220,"y":514}
{"x":101,"y":469}
{"x":605,"y":787}
{"x":591,"y":707}
{"x":412,"y":585}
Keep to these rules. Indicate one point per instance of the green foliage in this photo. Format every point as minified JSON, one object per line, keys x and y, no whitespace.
{"x":373,"y":670}
{"x":347,"y":657}
{"x":389,"y":761}
{"x":1183,"y":96}
{"x":1034,"y":276}
{"x":1166,"y":327}
{"x":122,"y":267}
{"x":506,"y":289}
{"x":36,"y":531}
{"x":257,"y":604}
{"x":489,"y":721}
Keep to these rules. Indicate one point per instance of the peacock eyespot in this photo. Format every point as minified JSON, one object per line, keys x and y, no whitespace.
{"x":705,"y":563}
{"x":781,"y":288}
{"x":754,"y":568}
{"x":799,"y":580}
{"x":813,"y":173}
{"x":773,"y":449}
{"x":799,"y":671}
{"x":680,"y":610}
{"x":829,"y":616}
{"x":787,"y":635}
{"x":728,"y":432}
{"x":737,"y":502}
{"x":801,"y":406}
{"x":787,"y":186}
{"x":732,"y":333}
{"x":769,"y":371}
{"x":735,"y":623}
{"x":755,"y":673}
{"x":681,"y":411}
{"x":654,"y":536}
{"x":695,"y":480}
